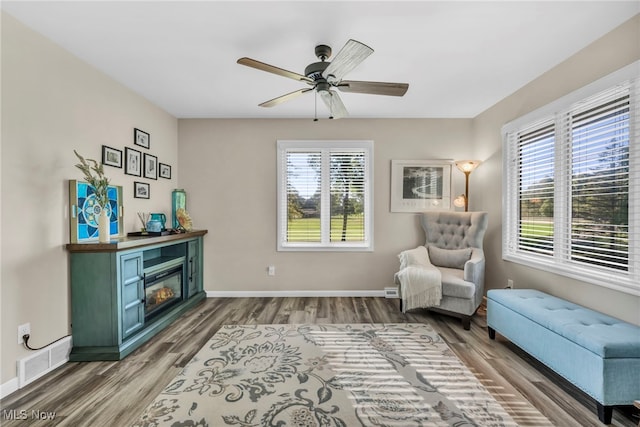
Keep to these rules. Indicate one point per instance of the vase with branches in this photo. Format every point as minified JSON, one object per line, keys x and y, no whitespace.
{"x":94,"y":174}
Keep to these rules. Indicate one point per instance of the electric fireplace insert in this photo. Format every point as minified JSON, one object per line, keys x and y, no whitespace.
{"x":163,"y":285}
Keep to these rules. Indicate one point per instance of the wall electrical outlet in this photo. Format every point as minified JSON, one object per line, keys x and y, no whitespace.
{"x":510,"y":283}
{"x":271,"y":270}
{"x":23,"y":330}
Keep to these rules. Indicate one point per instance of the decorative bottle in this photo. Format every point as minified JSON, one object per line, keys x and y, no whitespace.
{"x":104,"y":235}
{"x":178,"y":200}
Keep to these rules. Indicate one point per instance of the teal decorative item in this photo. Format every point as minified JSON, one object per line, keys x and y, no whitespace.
{"x":161,"y":219}
{"x":85,"y":210}
{"x":178,"y":201}
{"x":154,"y":226}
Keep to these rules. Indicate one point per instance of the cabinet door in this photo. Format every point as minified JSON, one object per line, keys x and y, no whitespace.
{"x":132,"y":285}
{"x":193,"y":268}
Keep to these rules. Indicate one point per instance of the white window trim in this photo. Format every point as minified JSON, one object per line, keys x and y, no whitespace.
{"x":627,"y":282}
{"x":367,"y":245}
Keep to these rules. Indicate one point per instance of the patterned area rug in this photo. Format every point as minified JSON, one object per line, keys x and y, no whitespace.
{"x":325,"y":375}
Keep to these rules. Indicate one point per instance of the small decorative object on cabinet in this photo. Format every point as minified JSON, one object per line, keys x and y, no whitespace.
{"x":178,"y":200}
{"x":85,"y":212}
{"x":184,"y":220}
{"x":124,"y":294}
{"x":100,"y":184}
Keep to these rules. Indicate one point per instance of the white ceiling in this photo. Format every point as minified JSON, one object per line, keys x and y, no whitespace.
{"x":459,"y":58}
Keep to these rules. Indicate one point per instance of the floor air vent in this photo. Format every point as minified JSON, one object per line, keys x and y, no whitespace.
{"x":391,"y":292}
{"x":43,"y":361}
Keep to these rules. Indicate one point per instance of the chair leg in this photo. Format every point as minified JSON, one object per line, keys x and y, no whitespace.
{"x":401,"y":305}
{"x":466,"y":322}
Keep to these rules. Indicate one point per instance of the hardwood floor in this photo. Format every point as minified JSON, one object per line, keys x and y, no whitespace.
{"x":115,"y":393}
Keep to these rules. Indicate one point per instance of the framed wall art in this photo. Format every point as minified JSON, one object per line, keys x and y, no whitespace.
{"x":150,"y":166}
{"x":133,"y":162}
{"x":141,"y":190}
{"x":420,"y":185}
{"x":164,"y":170}
{"x":83,"y":218}
{"x":111,"y":157}
{"x":141,"y":138}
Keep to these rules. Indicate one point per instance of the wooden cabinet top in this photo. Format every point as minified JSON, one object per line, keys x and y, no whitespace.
{"x":131,"y":242}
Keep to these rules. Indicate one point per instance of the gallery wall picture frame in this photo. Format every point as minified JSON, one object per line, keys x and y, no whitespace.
{"x":141,"y":138}
{"x":150,"y":166}
{"x":111,"y":156}
{"x":133,"y":162}
{"x":420,"y":185}
{"x":164,"y":170}
{"x":84,"y":211}
{"x":141,"y":190}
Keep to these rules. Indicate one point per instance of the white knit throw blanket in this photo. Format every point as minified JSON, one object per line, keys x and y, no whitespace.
{"x":420,"y":281}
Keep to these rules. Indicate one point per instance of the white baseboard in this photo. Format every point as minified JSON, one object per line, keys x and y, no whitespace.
{"x":9,"y":387}
{"x":286,"y":294}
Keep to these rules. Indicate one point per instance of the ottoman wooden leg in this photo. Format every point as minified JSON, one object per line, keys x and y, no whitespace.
{"x":604,"y":413}
{"x":492,"y":332}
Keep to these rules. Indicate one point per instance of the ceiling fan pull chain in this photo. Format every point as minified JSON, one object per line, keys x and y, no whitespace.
{"x":315,"y":102}
{"x":330,"y":106}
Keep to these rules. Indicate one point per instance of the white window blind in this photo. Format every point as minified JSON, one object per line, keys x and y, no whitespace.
{"x":571,"y":187}
{"x":324,"y":195}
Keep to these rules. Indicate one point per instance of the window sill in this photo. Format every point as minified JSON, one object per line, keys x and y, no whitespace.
{"x":606,"y":279}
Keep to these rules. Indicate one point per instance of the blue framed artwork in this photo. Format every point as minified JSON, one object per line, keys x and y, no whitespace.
{"x":83,"y":218}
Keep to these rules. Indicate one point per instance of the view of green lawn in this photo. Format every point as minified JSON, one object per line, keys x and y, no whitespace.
{"x":536,"y":228}
{"x":308,"y":229}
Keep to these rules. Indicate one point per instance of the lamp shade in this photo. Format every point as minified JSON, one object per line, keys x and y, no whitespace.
{"x":467,"y":165}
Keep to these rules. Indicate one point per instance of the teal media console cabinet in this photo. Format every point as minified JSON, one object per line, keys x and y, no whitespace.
{"x":126,"y":291}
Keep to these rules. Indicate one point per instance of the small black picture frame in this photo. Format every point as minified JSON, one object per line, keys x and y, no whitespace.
{"x":141,"y":138}
{"x":150,"y":166}
{"x":133,"y":162}
{"x":111,"y":156}
{"x":141,"y":190}
{"x":164,"y":170}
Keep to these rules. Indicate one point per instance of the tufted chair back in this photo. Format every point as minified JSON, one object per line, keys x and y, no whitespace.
{"x":454,"y":230}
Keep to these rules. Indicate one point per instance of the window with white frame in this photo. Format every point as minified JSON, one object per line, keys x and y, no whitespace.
{"x":325,"y":195}
{"x":571,"y":182}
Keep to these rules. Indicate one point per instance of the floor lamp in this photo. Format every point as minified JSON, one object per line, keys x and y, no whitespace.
{"x":466,"y":167}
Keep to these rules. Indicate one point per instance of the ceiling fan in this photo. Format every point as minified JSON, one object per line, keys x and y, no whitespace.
{"x":324,"y":76}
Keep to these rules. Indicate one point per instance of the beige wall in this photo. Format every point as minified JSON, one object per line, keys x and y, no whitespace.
{"x":612,"y":52}
{"x":228,"y":168}
{"x":53,"y":103}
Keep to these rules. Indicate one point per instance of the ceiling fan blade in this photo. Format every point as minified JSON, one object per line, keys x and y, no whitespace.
{"x":349,"y":57}
{"x":334,"y":104}
{"x":374,"y":88}
{"x":273,"y":69}
{"x":279,"y":100}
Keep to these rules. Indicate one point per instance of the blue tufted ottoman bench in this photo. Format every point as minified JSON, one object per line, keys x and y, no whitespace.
{"x":597,"y":353}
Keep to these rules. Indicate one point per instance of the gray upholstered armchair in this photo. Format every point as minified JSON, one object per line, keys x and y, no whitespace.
{"x":449,"y":268}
